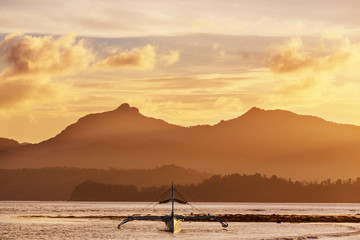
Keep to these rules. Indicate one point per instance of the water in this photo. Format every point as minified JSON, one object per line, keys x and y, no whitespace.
{"x":17,"y":221}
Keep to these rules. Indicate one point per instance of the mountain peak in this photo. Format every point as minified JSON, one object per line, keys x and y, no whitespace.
{"x":125,"y":107}
{"x":255,"y":111}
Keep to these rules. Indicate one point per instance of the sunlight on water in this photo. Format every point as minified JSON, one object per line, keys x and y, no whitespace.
{"x":15,"y":222}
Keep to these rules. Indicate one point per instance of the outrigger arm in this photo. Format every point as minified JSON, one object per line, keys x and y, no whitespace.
{"x":163,"y":218}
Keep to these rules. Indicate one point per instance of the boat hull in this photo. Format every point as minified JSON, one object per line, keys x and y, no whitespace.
{"x":173,"y":225}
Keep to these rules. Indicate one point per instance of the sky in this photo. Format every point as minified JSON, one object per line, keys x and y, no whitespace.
{"x":186,"y":62}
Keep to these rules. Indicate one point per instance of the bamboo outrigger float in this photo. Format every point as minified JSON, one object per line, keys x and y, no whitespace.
{"x":173,"y":222}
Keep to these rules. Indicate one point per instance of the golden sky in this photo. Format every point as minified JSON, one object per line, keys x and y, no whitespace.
{"x":187,"y":62}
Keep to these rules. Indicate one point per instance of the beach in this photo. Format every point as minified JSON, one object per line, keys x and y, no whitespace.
{"x":99,"y":220}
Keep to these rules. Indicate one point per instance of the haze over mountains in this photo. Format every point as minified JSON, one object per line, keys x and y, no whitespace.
{"x":268,"y":142}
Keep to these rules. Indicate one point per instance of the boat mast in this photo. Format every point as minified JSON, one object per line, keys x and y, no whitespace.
{"x":172,"y":199}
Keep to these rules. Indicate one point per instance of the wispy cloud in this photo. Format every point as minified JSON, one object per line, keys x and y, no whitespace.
{"x":18,"y":91}
{"x":115,"y":18}
{"x":171,"y":58}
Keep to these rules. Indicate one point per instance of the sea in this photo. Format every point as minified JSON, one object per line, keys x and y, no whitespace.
{"x":90,"y":220}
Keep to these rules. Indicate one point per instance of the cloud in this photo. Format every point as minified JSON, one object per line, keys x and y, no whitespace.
{"x":27,"y":55}
{"x":304,"y":66}
{"x":29,"y":64}
{"x":329,"y":55}
{"x":170,"y":58}
{"x":290,"y":58}
{"x":306,"y":73}
{"x":137,"y":58}
{"x":35,"y":68}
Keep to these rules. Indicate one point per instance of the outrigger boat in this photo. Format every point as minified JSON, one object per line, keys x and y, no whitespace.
{"x":172,"y":221}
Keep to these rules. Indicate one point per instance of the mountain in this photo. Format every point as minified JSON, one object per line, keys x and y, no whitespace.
{"x":124,"y":125}
{"x":265,"y":141}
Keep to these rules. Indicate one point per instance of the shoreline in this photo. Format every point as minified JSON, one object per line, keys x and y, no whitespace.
{"x":240,"y":218}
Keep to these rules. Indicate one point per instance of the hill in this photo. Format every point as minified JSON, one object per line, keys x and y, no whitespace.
{"x":58,"y":183}
{"x":6,"y":143}
{"x":230,"y":188}
{"x":266,"y":141}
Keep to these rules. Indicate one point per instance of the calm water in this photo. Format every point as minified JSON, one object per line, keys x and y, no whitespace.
{"x":16,"y":221}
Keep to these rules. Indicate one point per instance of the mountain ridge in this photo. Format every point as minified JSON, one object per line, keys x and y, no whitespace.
{"x":267,"y":141}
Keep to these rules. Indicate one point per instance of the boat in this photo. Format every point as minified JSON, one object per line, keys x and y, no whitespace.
{"x":172,"y":221}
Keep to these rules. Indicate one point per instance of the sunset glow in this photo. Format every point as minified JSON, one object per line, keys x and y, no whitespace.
{"x":187,"y":62}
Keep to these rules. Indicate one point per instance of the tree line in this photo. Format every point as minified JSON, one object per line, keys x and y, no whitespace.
{"x":230,"y":188}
